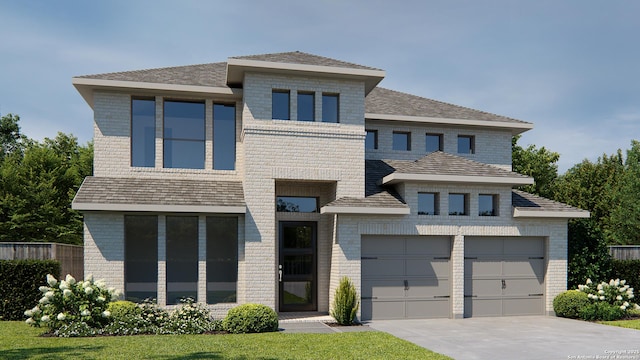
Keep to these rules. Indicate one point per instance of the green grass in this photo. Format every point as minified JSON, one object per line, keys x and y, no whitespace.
{"x":631,"y":324}
{"x":19,"y":341}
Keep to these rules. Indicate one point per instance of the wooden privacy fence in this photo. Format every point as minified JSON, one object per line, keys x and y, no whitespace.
{"x":71,"y":257}
{"x":625,"y":252}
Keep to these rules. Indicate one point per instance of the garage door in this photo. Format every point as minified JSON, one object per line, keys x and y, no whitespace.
{"x":503,"y":276}
{"x":405,"y":277}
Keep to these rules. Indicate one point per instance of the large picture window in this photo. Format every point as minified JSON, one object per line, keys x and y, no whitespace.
{"x":143,"y":132}
{"x":140,"y":257}
{"x":224,"y":137}
{"x":184,"y":134}
{"x":182,"y":258}
{"x":222,"y":259}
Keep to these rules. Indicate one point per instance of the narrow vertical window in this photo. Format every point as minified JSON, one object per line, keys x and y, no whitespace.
{"x":224,"y":137}
{"x":182,"y":258}
{"x":428,"y":204}
{"x":371,"y":141}
{"x":143,"y":132}
{"x":401,"y":141}
{"x":330,"y":108}
{"x":184,"y":135}
{"x":458,"y":204}
{"x":140,"y":257}
{"x":434,"y":142}
{"x":280,"y":104}
{"x":306,"y":106}
{"x":222,"y":259}
{"x":466,"y":144}
{"x":487,"y":205}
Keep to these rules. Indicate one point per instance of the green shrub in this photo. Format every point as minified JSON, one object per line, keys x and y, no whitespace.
{"x":569,"y":303}
{"x":250,"y":318}
{"x":628,"y":270}
{"x":122,"y":309}
{"x":345,"y":302}
{"x":190,"y":318}
{"x":601,"y":311}
{"x":19,"y":282}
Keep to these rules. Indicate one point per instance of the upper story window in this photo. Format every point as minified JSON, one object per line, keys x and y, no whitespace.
{"x":184,"y":134}
{"x":458,"y":204}
{"x":280,"y":105}
{"x":428,"y":204}
{"x":297,"y":204}
{"x":401,"y":141}
{"x":224,"y":137}
{"x":330,"y":108}
{"x":143,"y":132}
{"x":371,"y":141}
{"x":306,"y":106}
{"x":487,"y":205}
{"x":466,"y":144}
{"x":434,"y":142}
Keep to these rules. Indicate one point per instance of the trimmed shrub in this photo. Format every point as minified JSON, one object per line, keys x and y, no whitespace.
{"x":190,"y":318}
{"x":601,"y":311}
{"x":19,"y":283}
{"x":122,"y":310}
{"x":345,"y":302}
{"x":628,"y":270}
{"x":569,"y":303}
{"x":250,"y":318}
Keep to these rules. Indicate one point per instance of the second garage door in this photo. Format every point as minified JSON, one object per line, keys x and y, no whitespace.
{"x":405,"y":277}
{"x":504,"y":276}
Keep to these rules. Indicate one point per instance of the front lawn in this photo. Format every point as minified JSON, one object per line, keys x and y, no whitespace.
{"x":20,"y":341}
{"x":631,"y":324}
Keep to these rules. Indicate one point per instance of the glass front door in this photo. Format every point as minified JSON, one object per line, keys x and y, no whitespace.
{"x":297,"y":267}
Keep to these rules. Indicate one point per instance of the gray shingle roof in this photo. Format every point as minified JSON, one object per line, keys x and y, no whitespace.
{"x":390,"y":102}
{"x":526,"y":201}
{"x":214,"y":74}
{"x":298,"y":57}
{"x":106,"y":190}
{"x":440,"y":163}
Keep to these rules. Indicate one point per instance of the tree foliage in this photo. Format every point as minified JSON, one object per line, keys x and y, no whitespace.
{"x":540,"y":164}
{"x":38,"y":181}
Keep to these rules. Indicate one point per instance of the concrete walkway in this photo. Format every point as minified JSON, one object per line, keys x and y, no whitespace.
{"x":526,"y":337}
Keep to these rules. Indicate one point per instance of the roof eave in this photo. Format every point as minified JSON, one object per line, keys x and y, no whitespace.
{"x":396,"y":177}
{"x":87,"y":86}
{"x":237,"y":67}
{"x":227,"y":209}
{"x":570,"y":214}
{"x":515,"y":127}
{"x":365,"y":210}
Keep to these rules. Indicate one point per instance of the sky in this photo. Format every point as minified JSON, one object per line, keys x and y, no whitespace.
{"x":572,"y":67}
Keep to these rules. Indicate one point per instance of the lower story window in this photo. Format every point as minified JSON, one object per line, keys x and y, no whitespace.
{"x":222,"y":259}
{"x":182,"y":258}
{"x":140,"y":257}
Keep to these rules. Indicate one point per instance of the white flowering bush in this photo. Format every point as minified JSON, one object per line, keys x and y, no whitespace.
{"x":70,"y":301}
{"x":609,"y":301}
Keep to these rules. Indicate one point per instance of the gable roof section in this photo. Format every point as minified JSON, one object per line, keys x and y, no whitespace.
{"x":135,"y":194}
{"x":302,"y":58}
{"x":442,"y":167}
{"x":527,"y":205}
{"x":385,"y":104}
{"x":377,"y":200}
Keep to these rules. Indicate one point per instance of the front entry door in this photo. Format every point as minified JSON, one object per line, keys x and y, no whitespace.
{"x":297,"y":267}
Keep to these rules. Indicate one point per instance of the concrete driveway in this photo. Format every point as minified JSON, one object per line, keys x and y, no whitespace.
{"x":525,"y":337}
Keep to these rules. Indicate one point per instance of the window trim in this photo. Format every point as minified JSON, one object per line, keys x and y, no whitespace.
{"x":408,"y":133}
{"x":281,"y":91}
{"x":440,"y":141}
{"x":375,"y":138}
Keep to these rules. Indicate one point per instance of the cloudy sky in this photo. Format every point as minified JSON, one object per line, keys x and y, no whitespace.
{"x":570,"y":67}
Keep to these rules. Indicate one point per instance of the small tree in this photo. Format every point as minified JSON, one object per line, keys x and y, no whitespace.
{"x":345,"y":303}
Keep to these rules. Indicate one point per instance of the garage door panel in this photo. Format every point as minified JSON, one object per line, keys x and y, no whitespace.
{"x":382,"y":267}
{"x":476,"y":267}
{"x":427,"y":288}
{"x":523,"y":306}
{"x":427,"y":309}
{"x":483,"y":246}
{"x":522,"y":287}
{"x":377,"y":245}
{"x":383,"y":288}
{"x":433,"y":246}
{"x":483,"y":287}
{"x":482,"y":307}
{"x":524,"y":246}
{"x":530,"y":267}
{"x":383,"y":310}
{"x":427,"y":267}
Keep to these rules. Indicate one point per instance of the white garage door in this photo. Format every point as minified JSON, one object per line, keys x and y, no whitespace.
{"x":405,"y":277}
{"x":503,"y":276}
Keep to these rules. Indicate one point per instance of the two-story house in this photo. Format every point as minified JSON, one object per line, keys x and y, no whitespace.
{"x":268,"y":178}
